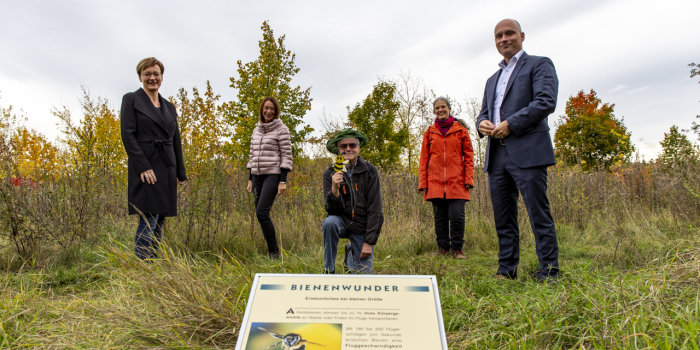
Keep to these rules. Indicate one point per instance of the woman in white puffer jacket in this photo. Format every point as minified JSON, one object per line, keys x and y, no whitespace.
{"x":269,"y":162}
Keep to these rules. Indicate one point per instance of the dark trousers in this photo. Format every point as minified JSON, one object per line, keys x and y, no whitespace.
{"x":148,"y":236}
{"x":505,"y":181}
{"x":449,"y":223}
{"x":265,"y":187}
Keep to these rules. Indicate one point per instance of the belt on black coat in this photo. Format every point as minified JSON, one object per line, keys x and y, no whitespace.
{"x":161,"y":147}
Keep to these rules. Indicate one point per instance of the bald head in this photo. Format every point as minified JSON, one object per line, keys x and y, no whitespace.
{"x":509,"y":38}
{"x":510,"y":21}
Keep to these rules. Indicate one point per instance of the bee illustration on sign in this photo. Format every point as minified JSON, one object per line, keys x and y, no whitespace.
{"x":340,"y":163}
{"x":289,"y":341}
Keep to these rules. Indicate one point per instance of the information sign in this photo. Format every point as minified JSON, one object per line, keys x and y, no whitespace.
{"x":295,"y":312}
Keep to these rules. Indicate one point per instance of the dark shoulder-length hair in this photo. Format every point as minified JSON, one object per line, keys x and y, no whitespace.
{"x":274,"y":102}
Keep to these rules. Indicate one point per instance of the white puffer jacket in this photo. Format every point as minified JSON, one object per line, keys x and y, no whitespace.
{"x":270,"y":148}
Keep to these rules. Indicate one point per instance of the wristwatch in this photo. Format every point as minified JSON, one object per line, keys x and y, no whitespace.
{"x":283,"y":182}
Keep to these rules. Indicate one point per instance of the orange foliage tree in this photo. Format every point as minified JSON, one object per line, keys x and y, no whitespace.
{"x":590,"y":135}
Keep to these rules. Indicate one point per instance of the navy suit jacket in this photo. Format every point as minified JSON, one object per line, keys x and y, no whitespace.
{"x":531,"y":95}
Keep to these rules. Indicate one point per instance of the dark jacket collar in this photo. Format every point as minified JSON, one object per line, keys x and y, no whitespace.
{"x":165,"y":118}
{"x":518,"y":65}
{"x":491,"y":82}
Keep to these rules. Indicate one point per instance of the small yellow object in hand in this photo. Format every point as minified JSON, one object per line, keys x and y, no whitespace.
{"x":339,"y":164}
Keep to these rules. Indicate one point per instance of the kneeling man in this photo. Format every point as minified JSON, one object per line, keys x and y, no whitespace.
{"x":354,"y":205}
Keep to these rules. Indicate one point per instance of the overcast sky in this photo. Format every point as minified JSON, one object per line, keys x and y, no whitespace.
{"x":633,"y":53}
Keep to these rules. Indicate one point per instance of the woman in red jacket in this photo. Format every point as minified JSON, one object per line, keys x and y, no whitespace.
{"x":446,"y":173}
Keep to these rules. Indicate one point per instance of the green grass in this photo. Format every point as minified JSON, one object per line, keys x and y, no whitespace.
{"x":629,"y":252}
{"x":630,"y":285}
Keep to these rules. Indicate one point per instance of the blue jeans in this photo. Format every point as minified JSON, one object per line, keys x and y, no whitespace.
{"x":148,"y":236}
{"x":333,"y":228}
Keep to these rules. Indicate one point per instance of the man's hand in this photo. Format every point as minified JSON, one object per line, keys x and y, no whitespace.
{"x":486,"y":127}
{"x":249,"y":188}
{"x":335,"y":186}
{"x":281,"y":188}
{"x":366,"y":250}
{"x":501,"y":131}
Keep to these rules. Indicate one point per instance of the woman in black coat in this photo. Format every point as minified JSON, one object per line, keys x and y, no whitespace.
{"x":151,"y":138}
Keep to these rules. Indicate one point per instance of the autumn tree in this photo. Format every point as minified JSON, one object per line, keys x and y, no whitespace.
{"x":589,"y":134}
{"x":695,"y":71}
{"x":202,"y":127}
{"x":415,"y":107}
{"x":7,"y":121}
{"x":676,"y":150}
{"x":25,"y":153}
{"x":471,"y":113}
{"x":94,"y":145}
{"x":34,"y":156}
{"x":376,"y":116}
{"x":269,"y":75}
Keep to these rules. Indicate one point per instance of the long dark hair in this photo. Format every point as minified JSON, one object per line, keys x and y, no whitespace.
{"x":274,"y":102}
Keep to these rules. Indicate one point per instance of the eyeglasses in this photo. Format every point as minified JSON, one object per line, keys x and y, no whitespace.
{"x":149,"y":74}
{"x":347,"y":145}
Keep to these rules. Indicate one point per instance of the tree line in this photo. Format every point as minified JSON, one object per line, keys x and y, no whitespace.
{"x":394,"y":115}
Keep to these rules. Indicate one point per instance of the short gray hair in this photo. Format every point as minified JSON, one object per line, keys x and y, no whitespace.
{"x":444,"y":99}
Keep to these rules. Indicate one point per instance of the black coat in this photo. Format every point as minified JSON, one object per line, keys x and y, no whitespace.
{"x":152,"y":141}
{"x":360,"y":201}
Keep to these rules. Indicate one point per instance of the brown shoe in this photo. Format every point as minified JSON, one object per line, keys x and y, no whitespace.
{"x":500,"y":276}
{"x":442,"y":252}
{"x":458,"y":254}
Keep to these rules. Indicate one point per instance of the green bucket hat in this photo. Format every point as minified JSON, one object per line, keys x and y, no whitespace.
{"x":332,"y":144}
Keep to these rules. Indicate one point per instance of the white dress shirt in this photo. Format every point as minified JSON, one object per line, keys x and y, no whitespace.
{"x":506,"y":71}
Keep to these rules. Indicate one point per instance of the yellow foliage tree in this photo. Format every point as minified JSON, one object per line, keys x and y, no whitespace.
{"x":34,"y":156}
{"x":94,"y":146}
{"x":201,"y":127}
{"x":25,"y":153}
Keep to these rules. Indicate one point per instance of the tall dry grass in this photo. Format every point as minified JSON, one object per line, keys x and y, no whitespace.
{"x":628,"y":248}
{"x":216,"y":213}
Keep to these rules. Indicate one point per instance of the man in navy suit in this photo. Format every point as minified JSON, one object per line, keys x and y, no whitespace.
{"x":517,"y":100}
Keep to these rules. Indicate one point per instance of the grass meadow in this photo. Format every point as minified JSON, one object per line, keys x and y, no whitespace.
{"x":629,"y":245}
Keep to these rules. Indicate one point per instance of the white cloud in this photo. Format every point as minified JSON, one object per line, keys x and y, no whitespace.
{"x":633,"y":54}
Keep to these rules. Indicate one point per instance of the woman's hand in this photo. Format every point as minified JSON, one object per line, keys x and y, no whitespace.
{"x":148,"y":177}
{"x":281,"y":188}
{"x":249,"y":188}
